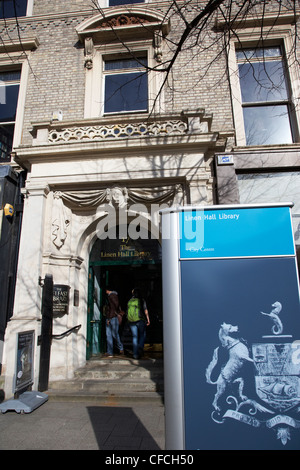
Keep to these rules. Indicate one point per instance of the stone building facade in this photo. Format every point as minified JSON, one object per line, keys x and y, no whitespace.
{"x":85,"y":160}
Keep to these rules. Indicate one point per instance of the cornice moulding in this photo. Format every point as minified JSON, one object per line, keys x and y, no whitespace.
{"x":89,"y":149}
{"x":267,"y":20}
{"x":26,"y":44}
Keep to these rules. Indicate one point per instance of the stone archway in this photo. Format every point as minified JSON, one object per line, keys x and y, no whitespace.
{"x":124,"y":264}
{"x":61,"y":247}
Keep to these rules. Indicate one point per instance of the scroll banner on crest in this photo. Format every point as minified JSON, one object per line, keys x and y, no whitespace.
{"x":238,"y":326}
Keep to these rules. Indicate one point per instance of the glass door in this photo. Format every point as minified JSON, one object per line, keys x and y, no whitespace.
{"x":95,"y":319}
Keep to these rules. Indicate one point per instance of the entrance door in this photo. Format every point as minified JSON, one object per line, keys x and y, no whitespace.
{"x":124,"y":267}
{"x":95,"y":320}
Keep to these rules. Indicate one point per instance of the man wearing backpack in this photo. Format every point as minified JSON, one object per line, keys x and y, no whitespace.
{"x":138,"y":319}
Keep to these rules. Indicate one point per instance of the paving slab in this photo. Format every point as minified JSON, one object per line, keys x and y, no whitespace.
{"x":84,"y":425}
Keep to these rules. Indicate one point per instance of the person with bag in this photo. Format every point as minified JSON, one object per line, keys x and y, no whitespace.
{"x":138,"y":319}
{"x":112,"y":323}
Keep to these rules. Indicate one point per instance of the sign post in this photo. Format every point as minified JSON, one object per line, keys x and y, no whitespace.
{"x":46,"y":332}
{"x":231,"y":328}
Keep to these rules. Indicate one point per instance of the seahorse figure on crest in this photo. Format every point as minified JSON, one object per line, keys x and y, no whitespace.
{"x":277,"y":328}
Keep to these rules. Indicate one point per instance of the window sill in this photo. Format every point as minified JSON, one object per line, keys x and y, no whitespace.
{"x":266,"y":148}
{"x":117,"y":114}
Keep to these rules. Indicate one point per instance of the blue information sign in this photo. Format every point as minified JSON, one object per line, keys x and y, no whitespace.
{"x":241,"y":354}
{"x":240,"y":328}
{"x":227,"y":233}
{"x":232,"y":334}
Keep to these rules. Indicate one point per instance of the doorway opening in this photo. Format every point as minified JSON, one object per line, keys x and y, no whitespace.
{"x":124,"y":264}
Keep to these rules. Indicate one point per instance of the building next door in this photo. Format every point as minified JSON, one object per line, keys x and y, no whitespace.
{"x":124,"y":264}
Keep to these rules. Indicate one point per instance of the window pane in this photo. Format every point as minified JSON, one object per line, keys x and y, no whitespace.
{"x":126,"y":92}
{"x":8,"y":102}
{"x":267,"y":125}
{"x":123,"y":2}
{"x":260,"y":52}
{"x":6,"y":140}
{"x":266,"y":187}
{"x":12,"y":8}
{"x":12,"y":76}
{"x":263,"y":81}
{"x":129,"y":63}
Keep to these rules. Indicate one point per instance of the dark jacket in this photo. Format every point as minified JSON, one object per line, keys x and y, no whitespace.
{"x":113,"y":305}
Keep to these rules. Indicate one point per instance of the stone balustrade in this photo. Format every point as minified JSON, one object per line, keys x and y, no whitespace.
{"x":103,"y":129}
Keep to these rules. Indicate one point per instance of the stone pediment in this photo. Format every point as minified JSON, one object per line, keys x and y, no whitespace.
{"x":133,"y":23}
{"x":122,"y":20}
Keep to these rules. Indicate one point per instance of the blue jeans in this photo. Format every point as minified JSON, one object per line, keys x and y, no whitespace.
{"x":138,"y":330}
{"x":112,"y":332}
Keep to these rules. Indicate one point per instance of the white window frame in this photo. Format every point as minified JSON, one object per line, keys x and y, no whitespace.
{"x":3,"y":89}
{"x":23,"y":66}
{"x":12,"y":57}
{"x":29,"y":11}
{"x":94,"y":90}
{"x":277,"y":35}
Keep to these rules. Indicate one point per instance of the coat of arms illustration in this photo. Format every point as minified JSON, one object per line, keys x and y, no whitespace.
{"x":276,"y":368}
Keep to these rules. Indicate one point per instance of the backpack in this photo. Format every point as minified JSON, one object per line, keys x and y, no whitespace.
{"x":133,"y":310}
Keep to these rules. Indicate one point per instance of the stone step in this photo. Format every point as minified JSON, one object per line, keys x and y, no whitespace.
{"x":107,"y":399}
{"x":108,"y":386}
{"x":120,"y":369}
{"x":118,"y":378}
{"x":106,"y":373}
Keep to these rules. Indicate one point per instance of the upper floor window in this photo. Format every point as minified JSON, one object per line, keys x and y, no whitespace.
{"x":9,"y":92}
{"x":126,"y":85}
{"x":112,"y":3}
{"x":265,"y":96}
{"x":12,"y":8}
{"x":121,"y":74}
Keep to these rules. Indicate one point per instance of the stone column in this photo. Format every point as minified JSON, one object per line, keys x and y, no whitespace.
{"x":27,"y":306}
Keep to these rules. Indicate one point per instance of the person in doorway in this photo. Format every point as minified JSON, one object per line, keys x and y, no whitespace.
{"x":112,"y":323}
{"x":138,"y":319}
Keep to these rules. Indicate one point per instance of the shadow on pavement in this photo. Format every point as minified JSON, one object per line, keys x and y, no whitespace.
{"x":119,"y":428}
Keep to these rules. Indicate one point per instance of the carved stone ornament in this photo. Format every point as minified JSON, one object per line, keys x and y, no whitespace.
{"x":88,"y":49}
{"x":117,"y":196}
{"x":157,"y":47}
{"x":60,"y":221}
{"x":130,"y":130}
{"x":66,"y":201}
{"x":123,"y":20}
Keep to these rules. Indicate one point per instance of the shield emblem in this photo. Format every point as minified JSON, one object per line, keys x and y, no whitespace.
{"x":277,"y":379}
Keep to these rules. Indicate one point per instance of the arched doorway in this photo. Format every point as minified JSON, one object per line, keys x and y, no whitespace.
{"x":124,"y":263}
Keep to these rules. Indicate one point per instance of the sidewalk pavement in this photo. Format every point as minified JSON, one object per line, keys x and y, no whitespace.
{"x":85,"y":425}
